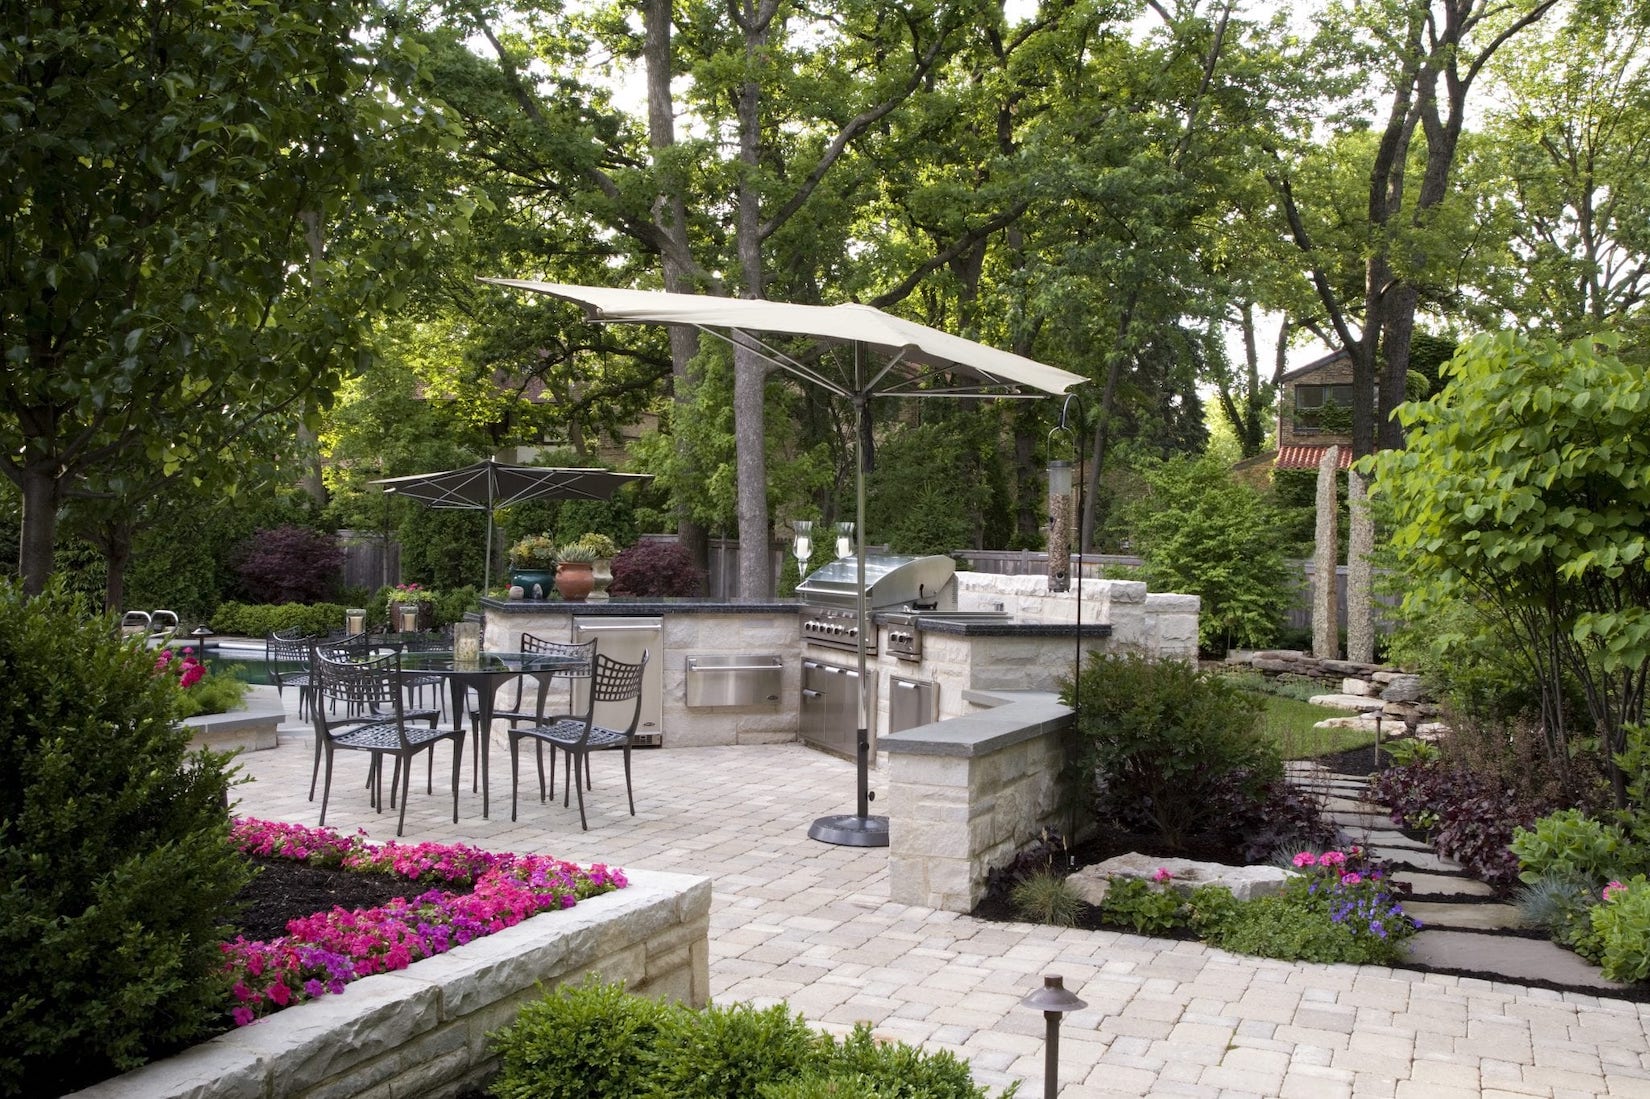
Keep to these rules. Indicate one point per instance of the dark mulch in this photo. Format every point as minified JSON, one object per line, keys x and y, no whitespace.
{"x":286,"y":890}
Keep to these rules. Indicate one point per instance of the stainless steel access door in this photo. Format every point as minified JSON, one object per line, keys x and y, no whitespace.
{"x":829,"y":710}
{"x":626,"y":638}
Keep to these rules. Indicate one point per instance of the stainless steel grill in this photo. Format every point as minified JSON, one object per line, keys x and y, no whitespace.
{"x":831,"y":617}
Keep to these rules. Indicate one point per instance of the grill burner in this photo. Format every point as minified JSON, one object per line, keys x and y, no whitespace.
{"x":837,"y":629}
{"x":905,"y":629}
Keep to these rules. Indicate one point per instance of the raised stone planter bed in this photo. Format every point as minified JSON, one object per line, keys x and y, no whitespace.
{"x":423,"y":1030}
{"x":249,"y":729}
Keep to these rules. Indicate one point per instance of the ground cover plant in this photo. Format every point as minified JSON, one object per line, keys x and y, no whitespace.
{"x":471,"y":893}
{"x":594,"y":1040}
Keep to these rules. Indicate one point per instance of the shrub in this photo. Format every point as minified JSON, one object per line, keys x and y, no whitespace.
{"x":657,"y":569}
{"x":1203,"y":533}
{"x":114,"y":854}
{"x":1469,"y":817}
{"x":198,"y":690}
{"x":1166,"y":747}
{"x":1571,"y":843}
{"x":594,"y":1040}
{"x":1622,"y":925}
{"x":260,"y":620}
{"x":290,"y":564}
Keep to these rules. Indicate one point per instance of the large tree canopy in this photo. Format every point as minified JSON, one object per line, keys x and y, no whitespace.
{"x":196,"y":228}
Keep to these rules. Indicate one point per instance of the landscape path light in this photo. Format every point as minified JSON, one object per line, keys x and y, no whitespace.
{"x":1053,"y":1001}
{"x":200,"y":634}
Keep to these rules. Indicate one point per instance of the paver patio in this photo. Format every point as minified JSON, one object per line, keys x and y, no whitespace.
{"x":811,"y":923}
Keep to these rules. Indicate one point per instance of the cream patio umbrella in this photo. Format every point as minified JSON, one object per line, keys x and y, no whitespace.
{"x":915,"y":361}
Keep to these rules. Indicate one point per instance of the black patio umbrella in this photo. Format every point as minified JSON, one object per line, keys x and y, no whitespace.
{"x":490,"y":484}
{"x":914,"y":361}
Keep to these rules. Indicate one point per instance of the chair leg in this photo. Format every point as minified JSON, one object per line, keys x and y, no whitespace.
{"x":458,"y":769}
{"x":538,"y":749}
{"x":585,"y":824}
{"x":406,"y":780}
{"x":627,"y":792}
{"x":515,"y":770}
{"x":315,"y":771}
{"x":326,"y":788}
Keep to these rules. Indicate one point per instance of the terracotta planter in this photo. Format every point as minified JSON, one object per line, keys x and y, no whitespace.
{"x":575,"y":580}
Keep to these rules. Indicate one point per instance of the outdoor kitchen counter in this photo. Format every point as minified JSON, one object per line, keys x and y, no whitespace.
{"x":699,"y":629}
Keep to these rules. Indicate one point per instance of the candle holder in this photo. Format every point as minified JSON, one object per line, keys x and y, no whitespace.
{"x":803,"y":544}
{"x":844,"y":540}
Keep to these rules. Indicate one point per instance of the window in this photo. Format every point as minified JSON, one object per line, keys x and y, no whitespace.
{"x":1312,"y":397}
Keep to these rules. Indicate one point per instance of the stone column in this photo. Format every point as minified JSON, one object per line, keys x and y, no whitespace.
{"x":1360,"y":603}
{"x":1326,"y":642}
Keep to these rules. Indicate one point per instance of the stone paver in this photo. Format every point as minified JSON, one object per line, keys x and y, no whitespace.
{"x":812,"y":922}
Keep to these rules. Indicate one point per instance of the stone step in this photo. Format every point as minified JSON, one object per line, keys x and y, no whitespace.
{"x":1346,"y":702}
{"x":1412,"y":858}
{"x":1518,"y":959}
{"x":1445,"y":885}
{"x":1464,"y":917}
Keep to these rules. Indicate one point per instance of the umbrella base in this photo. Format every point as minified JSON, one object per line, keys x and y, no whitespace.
{"x":851,"y":831}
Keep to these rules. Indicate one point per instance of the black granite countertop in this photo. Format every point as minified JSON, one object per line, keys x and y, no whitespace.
{"x":620,"y":606}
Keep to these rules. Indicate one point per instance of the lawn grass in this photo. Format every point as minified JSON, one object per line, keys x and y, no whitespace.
{"x":1290,"y":724}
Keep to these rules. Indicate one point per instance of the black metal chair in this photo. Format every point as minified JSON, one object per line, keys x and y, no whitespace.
{"x":370,"y":691}
{"x":425,"y":642}
{"x":577,"y":735}
{"x":516,"y":712}
{"x":286,"y":663}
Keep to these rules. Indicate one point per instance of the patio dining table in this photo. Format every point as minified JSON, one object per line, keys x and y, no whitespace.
{"x":484,"y":673}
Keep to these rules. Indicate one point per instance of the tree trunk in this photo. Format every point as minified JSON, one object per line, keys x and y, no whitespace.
{"x":41,"y":496}
{"x":670,"y":215}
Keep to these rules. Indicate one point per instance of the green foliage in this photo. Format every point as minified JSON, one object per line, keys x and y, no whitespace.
{"x":533,"y":551}
{"x":214,"y":693}
{"x":1410,"y":750}
{"x":443,"y":548}
{"x":1143,"y":907}
{"x":1203,"y":533}
{"x":1570,"y":843}
{"x":594,"y":1040}
{"x":585,"y":1041}
{"x":1523,"y":490}
{"x":260,"y":620}
{"x":1046,"y":897}
{"x":1319,"y":916}
{"x":1561,"y":905}
{"x":934,"y":485}
{"x":724,"y":1051}
{"x":114,"y":854}
{"x":1168,"y":747}
{"x":1622,"y":925}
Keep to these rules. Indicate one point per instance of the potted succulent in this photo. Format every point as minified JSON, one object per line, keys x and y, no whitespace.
{"x":605,"y":550}
{"x":411,"y":607}
{"x":533,"y":564}
{"x":575,"y":571}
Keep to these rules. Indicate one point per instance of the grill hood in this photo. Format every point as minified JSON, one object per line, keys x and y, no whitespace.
{"x":890,"y":581}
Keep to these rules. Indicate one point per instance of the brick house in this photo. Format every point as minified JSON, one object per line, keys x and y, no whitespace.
{"x":1315,"y":412}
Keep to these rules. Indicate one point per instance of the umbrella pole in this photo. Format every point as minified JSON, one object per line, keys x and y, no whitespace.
{"x":861,"y":829}
{"x":487,"y":565}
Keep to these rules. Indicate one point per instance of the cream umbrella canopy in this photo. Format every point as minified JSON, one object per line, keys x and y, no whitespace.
{"x":915,"y":361}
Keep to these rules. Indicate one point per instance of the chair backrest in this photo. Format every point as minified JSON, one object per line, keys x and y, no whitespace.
{"x":426,"y":641}
{"x":356,"y":647}
{"x":584,"y":652}
{"x":369,"y":688}
{"x":618,"y":681}
{"x":286,"y":647}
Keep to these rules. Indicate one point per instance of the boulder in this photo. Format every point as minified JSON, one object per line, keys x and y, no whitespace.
{"x":1245,"y":882}
{"x":1346,"y":702}
{"x":1274,"y":664}
{"x":1403,"y":688}
{"x":1349,"y":667}
{"x":1357,"y":687}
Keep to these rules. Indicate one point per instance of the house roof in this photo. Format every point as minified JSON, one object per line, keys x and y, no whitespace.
{"x":1312,"y":367}
{"x":1308,"y":457}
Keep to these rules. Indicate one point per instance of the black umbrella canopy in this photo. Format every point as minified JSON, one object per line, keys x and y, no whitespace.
{"x":490,"y":484}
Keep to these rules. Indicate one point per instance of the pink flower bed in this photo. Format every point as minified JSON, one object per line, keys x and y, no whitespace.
{"x":324,"y":952}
